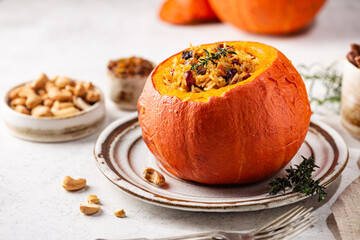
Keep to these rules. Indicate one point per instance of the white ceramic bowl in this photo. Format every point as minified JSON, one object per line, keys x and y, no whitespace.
{"x":350,"y":99}
{"x":53,"y":129}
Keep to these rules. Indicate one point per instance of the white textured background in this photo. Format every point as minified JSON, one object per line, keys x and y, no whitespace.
{"x":77,"y":38}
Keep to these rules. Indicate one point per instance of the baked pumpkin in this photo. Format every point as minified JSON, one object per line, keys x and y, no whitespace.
{"x":267,"y":16}
{"x":240,"y":117}
{"x":186,"y":11}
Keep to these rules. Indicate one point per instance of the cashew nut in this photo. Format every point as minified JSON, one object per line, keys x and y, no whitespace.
{"x":120,"y":214}
{"x":59,"y":95}
{"x":17,"y":101}
{"x":92,"y":199}
{"x":41,"y":111}
{"x":62,"y":105}
{"x":80,"y":103}
{"x":22,"y":109}
{"x":49,"y":85}
{"x":92,"y":96}
{"x":79,"y":89}
{"x":15,"y":93}
{"x":39,"y":82}
{"x":62,"y":81}
{"x":48,"y":102}
{"x":88,"y":86}
{"x":71,"y":184}
{"x":89,"y":209}
{"x":154,"y":176}
{"x":32,"y":99}
{"x":64,"y":112}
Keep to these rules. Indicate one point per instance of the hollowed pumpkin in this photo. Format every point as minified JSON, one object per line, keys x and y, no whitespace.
{"x":239,"y":133}
{"x":267,"y":16}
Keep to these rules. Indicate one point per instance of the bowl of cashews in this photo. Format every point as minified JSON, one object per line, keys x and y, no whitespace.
{"x":53,"y":109}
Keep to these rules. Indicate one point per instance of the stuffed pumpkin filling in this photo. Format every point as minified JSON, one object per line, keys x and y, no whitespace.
{"x":200,"y":69}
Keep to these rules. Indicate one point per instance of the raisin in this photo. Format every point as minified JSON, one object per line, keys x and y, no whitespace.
{"x":189,"y":78}
{"x":186,"y":55}
{"x":201,"y":71}
{"x":230,"y":74}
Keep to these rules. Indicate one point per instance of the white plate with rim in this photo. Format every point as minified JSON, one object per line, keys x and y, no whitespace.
{"x":121,"y":155}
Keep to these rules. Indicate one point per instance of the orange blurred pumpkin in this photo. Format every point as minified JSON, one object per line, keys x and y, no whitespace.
{"x":240,"y":133}
{"x":267,"y":16}
{"x":186,"y":11}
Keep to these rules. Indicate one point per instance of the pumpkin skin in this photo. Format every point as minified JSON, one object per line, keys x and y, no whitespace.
{"x":241,"y":133}
{"x":186,"y":11}
{"x":267,"y":16}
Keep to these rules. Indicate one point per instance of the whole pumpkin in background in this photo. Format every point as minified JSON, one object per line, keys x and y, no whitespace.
{"x":186,"y":11}
{"x":267,"y":16}
{"x":240,"y":133}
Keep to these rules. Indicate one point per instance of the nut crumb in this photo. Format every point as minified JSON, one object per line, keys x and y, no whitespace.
{"x":120,"y":214}
{"x":92,"y":199}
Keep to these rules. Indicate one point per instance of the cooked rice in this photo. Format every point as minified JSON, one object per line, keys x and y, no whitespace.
{"x":215,"y":77}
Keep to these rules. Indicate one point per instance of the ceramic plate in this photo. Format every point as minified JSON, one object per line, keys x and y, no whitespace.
{"x":121,"y":155}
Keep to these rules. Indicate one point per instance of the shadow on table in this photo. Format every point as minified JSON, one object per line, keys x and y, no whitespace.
{"x":331,"y":223}
{"x":232,"y":221}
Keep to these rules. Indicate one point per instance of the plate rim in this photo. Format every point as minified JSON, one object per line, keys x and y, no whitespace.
{"x":239,"y":206}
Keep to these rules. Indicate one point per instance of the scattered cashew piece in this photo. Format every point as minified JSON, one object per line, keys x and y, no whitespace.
{"x":154,"y":176}
{"x":71,"y":184}
{"x":120,"y":214}
{"x":92,"y":199}
{"x":89,"y":209}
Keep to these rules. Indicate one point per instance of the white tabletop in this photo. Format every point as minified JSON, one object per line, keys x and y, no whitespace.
{"x":77,"y":39}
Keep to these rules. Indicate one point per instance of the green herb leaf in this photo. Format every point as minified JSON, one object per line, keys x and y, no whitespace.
{"x":329,"y":77}
{"x":212,"y":57}
{"x":300,"y":179}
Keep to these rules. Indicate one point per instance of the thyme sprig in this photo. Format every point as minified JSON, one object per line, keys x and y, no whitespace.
{"x":329,"y":77}
{"x":300,"y":179}
{"x":210,"y":56}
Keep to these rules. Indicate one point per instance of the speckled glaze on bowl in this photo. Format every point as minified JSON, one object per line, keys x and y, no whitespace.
{"x":53,"y":129}
{"x":121,"y":155}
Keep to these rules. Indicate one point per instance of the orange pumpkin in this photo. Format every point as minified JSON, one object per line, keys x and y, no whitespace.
{"x":186,"y":11}
{"x":267,"y":16}
{"x":240,"y":133}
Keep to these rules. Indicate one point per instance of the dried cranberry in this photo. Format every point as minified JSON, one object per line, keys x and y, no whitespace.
{"x":221,"y":45}
{"x":186,"y":55}
{"x":230,"y":73}
{"x":246,"y":76}
{"x":201,"y":71}
{"x":235,"y":61}
{"x":189,"y":78}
